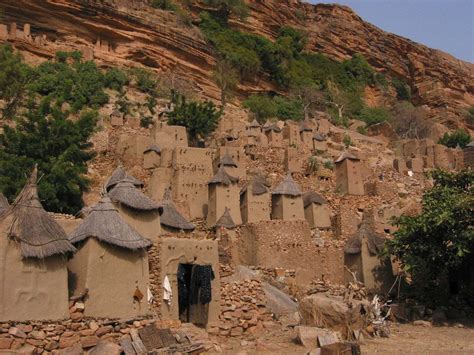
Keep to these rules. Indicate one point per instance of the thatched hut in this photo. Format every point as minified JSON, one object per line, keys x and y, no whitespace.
{"x":316,"y":210}
{"x":319,"y":142}
{"x":254,"y":128}
{"x":138,"y":210}
{"x":120,"y":174}
{"x":111,"y":264}
{"x":171,"y":220}
{"x":223,"y":192}
{"x":274,"y":134}
{"x":152,"y":157}
{"x":362,"y":257}
{"x":287,"y":202}
{"x":229,"y":164}
{"x":255,"y":200}
{"x":33,"y":255}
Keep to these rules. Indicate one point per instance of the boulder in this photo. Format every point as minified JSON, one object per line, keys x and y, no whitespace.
{"x":105,"y":348}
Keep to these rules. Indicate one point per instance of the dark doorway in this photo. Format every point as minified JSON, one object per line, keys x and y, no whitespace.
{"x":184,"y":282}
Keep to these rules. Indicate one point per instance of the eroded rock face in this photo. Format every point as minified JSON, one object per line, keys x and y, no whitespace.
{"x":127,"y":32}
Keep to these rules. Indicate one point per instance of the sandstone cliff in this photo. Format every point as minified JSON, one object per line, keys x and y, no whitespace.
{"x":129,"y":32}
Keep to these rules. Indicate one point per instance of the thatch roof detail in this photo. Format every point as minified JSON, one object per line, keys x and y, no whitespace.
{"x":259,"y":186}
{"x":3,"y":202}
{"x":227,"y":160}
{"x":226,"y":220}
{"x":254,"y":124}
{"x":105,"y":224}
{"x":272,"y":127}
{"x":319,"y":137}
{"x":345,"y":156}
{"x":313,"y":197}
{"x":118,"y":175}
{"x":471,"y":144}
{"x":366,"y":231}
{"x":170,"y":216}
{"x":116,"y":113}
{"x":287,"y":187}
{"x":37,"y":233}
{"x":127,"y":194}
{"x":153,"y":148}
{"x":222,"y":177}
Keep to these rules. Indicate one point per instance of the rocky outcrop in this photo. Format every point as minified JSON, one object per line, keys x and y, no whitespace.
{"x":130,"y":32}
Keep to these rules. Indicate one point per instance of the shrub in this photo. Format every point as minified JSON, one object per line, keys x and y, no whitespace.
{"x":402,"y":88}
{"x":374,"y":115}
{"x":470,"y":115}
{"x":261,"y":106}
{"x":328,"y":164}
{"x":167,"y":5}
{"x":200,"y":118}
{"x":459,"y":137}
{"x":347,"y":141}
{"x":288,"y":108}
{"x":146,"y":121}
{"x":313,"y":165}
{"x":116,"y":79}
{"x":144,"y":80}
{"x":409,"y":121}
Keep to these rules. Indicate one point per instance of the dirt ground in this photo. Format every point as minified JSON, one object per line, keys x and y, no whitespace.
{"x":411,"y":339}
{"x":405,"y":339}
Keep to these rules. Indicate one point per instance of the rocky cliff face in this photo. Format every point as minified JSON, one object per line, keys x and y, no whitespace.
{"x":127,"y":32}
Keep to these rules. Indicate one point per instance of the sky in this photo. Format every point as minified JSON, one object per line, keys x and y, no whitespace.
{"x":442,"y":24}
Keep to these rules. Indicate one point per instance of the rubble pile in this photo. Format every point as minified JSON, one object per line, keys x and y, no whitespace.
{"x":349,"y":292}
{"x":37,"y":336}
{"x":243,"y":309}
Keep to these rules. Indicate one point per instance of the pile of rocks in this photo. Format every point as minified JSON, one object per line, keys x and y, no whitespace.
{"x":155,"y":282}
{"x":243,"y":309}
{"x":41,"y":337}
{"x":350,"y":291}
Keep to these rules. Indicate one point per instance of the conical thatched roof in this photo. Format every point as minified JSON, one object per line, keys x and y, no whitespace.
{"x":375,"y":241}
{"x":305,"y":127}
{"x":254,"y":124}
{"x":38,"y":235}
{"x":127,"y":194}
{"x":345,"y":156}
{"x":170,"y":216}
{"x":120,"y":174}
{"x":272,"y":127}
{"x":3,"y":203}
{"x":105,"y":224}
{"x":227,"y":160}
{"x":319,"y":137}
{"x":153,"y":148}
{"x":471,"y":144}
{"x":312,"y":197}
{"x":259,"y":186}
{"x":222,"y":177}
{"x":287,"y":187}
{"x":225,"y":220}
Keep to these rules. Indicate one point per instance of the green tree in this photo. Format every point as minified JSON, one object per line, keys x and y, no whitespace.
{"x":470,"y":115}
{"x":459,"y":137}
{"x":200,"y":118}
{"x":438,"y":243}
{"x":226,"y":79}
{"x":402,"y":88}
{"x":14,"y":75}
{"x":60,"y":147}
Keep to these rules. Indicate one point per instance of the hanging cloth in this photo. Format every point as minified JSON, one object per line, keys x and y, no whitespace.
{"x":201,"y":284}
{"x":167,"y":292}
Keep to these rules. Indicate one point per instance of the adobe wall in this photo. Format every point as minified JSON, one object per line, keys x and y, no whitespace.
{"x":293,"y":160}
{"x":147,"y":223}
{"x":318,"y":216}
{"x":112,"y":276}
{"x":151,"y":160}
{"x":174,"y":251}
{"x":288,"y":244}
{"x":287,"y":207}
{"x":30,"y":289}
{"x":255,"y":208}
{"x":274,"y":139}
{"x":159,"y":181}
{"x":320,"y":146}
{"x":130,"y":149}
{"x":291,"y":133}
{"x":192,"y":170}
{"x":468,"y":156}
{"x":349,"y":178}
{"x":166,"y":136}
{"x":220,"y":197}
